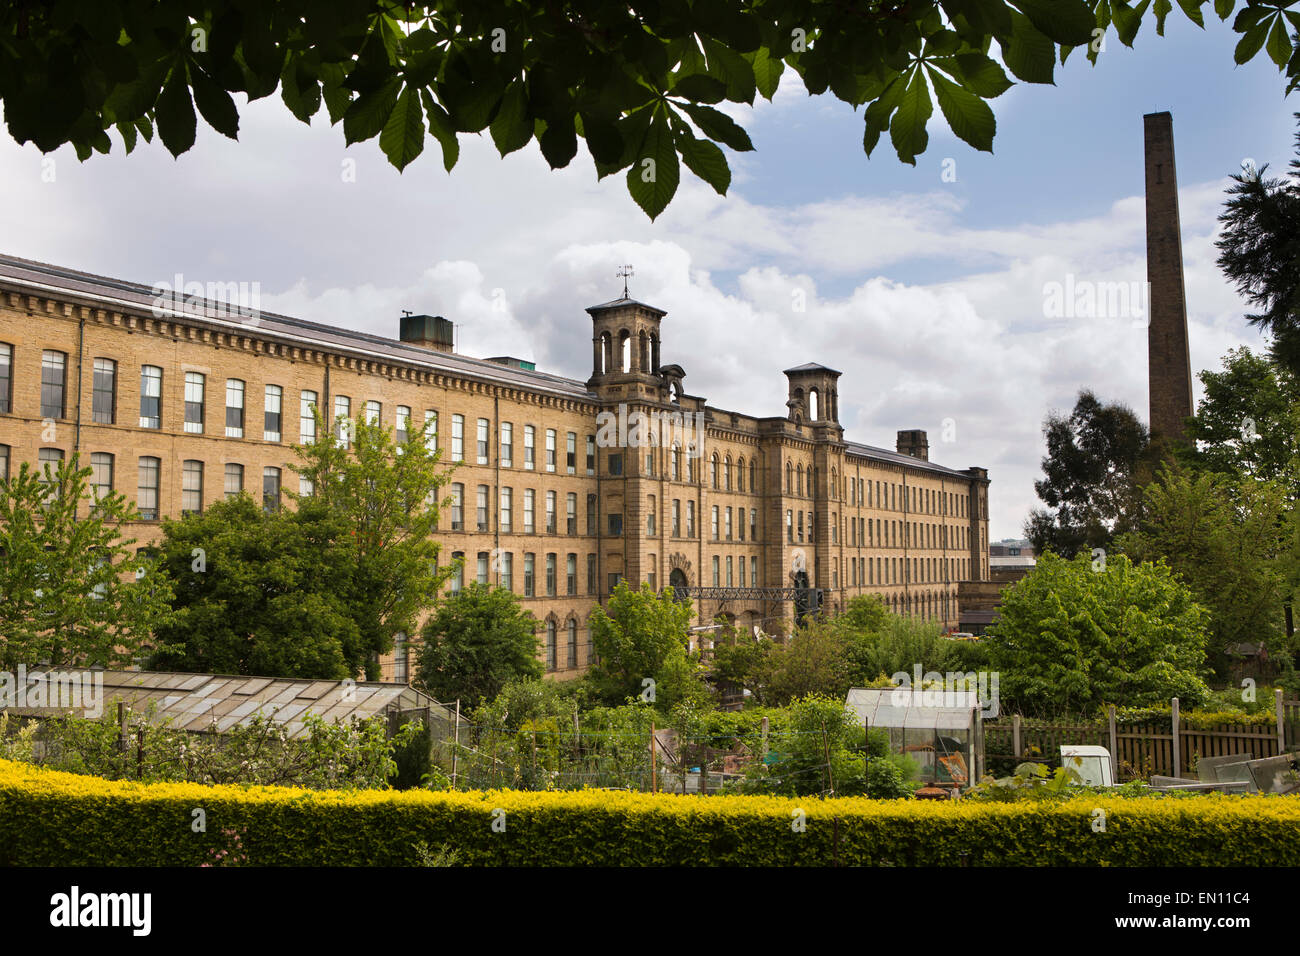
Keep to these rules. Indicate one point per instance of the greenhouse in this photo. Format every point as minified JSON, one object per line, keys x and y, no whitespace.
{"x":941,"y":730}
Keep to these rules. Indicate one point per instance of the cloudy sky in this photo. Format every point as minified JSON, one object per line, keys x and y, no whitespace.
{"x":927,"y":291}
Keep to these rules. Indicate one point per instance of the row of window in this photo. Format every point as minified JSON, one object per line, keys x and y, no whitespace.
{"x":103,"y":480}
{"x":502,"y":565}
{"x":868,"y":532}
{"x":870,"y":571}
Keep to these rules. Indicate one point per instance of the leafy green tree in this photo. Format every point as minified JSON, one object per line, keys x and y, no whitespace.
{"x":386,"y":497}
{"x":1074,"y":635}
{"x":260,"y":592}
{"x":1223,"y":537}
{"x":1259,"y":250}
{"x":740,"y":658}
{"x":638,"y":83}
{"x":478,"y":641}
{"x":73,"y":591}
{"x":1097,"y":459}
{"x":641,"y":635}
{"x":1248,"y":422}
{"x":815,"y":659}
{"x":867,"y":613}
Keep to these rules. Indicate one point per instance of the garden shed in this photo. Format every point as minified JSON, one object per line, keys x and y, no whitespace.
{"x":941,"y":730}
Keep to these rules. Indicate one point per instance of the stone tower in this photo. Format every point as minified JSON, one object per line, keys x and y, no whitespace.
{"x":813,"y":393}
{"x":1169,"y":368}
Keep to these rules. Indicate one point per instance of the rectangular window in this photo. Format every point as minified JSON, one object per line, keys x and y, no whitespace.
{"x":740,"y":565}
{"x":690,"y":519}
{"x":49,"y":459}
{"x":593,"y":516}
{"x":306,"y":417}
{"x":507,"y":505}
{"x":753,"y":524}
{"x":571,"y":513}
{"x":7,"y":378}
{"x":306,"y":487}
{"x":550,"y":512}
{"x":271,"y":489}
{"x":529,"y":570}
{"x":614,"y":579}
{"x":103,"y":397}
{"x":482,"y":439}
{"x":4,"y":462}
{"x":274,"y":403}
{"x":458,"y":577}
{"x":717,"y":573}
{"x":550,"y":575}
{"x":101,"y":474}
{"x":482,"y":568}
{"x":507,"y":445}
{"x":530,"y":450}
{"x":530,"y":502}
{"x":616,"y":464}
{"x":508,"y":571}
{"x":482,"y":508}
{"x":234,"y":408}
{"x":457,"y":507}
{"x":571,"y":574}
{"x":150,"y":397}
{"x":550,"y":449}
{"x":591,"y":454}
{"x":431,"y":430}
{"x":147,"y":488}
{"x":789,"y":527}
{"x":54,"y":384}
{"x":591,"y":574}
{"x":677,"y":518}
{"x":234,"y":480}
{"x":615,"y":524}
{"x":650,"y":464}
{"x":571,"y":452}
{"x":727,"y":525}
{"x":192,"y":487}
{"x":401,"y":659}
{"x":753,"y":571}
{"x":374,"y":412}
{"x":730,"y":576}
{"x":650,"y":518}
{"x":457,"y":437}
{"x":194,"y":403}
{"x":713,"y":523}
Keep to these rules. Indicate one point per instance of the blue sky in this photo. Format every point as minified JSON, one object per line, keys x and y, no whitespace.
{"x":928,"y":295}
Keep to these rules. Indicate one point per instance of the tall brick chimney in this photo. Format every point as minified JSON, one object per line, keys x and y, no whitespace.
{"x":1169,"y":367}
{"x":915,"y":443}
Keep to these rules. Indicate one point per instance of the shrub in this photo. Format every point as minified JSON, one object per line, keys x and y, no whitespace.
{"x":48,"y":818}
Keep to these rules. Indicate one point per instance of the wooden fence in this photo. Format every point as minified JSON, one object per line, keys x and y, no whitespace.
{"x":1139,"y":750}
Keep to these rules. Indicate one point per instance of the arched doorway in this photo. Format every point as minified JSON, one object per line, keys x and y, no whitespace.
{"x":677,"y":581}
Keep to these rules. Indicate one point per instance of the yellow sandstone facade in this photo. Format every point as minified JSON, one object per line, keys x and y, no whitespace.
{"x":565,"y":487}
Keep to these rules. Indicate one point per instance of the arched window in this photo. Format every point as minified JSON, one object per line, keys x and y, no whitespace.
{"x":606,"y":352}
{"x":550,"y":644}
{"x":814,"y":409}
{"x":643,"y":353}
{"x":789,"y":478}
{"x":740,"y":474}
{"x":726,"y":473}
{"x":677,"y":462}
{"x":692,"y":452}
{"x":625,"y":350}
{"x":573,"y":642}
{"x":713,"y":471}
{"x":835,"y":483}
{"x":753,"y":476}
{"x":799,"y":479}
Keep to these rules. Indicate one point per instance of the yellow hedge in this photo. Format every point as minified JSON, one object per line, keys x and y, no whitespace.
{"x":48,"y":818}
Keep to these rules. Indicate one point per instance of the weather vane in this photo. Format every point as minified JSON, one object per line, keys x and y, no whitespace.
{"x":623,"y":273}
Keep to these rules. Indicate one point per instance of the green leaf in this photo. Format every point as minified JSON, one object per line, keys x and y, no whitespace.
{"x":720,"y":127}
{"x":559,"y":143}
{"x":145,"y":127}
{"x":336,"y":94}
{"x":440,"y":127}
{"x":603,"y":139}
{"x":870,"y":136}
{"x":733,"y":69}
{"x":704,"y":159}
{"x":767,"y":72}
{"x":1279,"y":43}
{"x":175,"y":113}
{"x":981,"y":74}
{"x":402,"y":138}
{"x":700,"y":88}
{"x":1128,"y":20}
{"x":216,"y":105}
{"x":907,"y":131}
{"x":1029,"y":54}
{"x":654,"y":175}
{"x":1250,"y":43}
{"x":303,"y":100}
{"x":128,"y":134}
{"x":1063,"y":21}
{"x":368,"y":113}
{"x":967,"y":114}
{"x":512,"y":128}
{"x":1161,"y":10}
{"x":1192,"y":8}
{"x":1224,"y":8}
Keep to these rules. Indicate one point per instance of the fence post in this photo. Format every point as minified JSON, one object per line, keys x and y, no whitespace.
{"x":654,"y":776}
{"x":1114,"y":745}
{"x":1178,"y":756}
{"x":1015,"y":735}
{"x":455,"y":745}
{"x":1281,"y":720}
